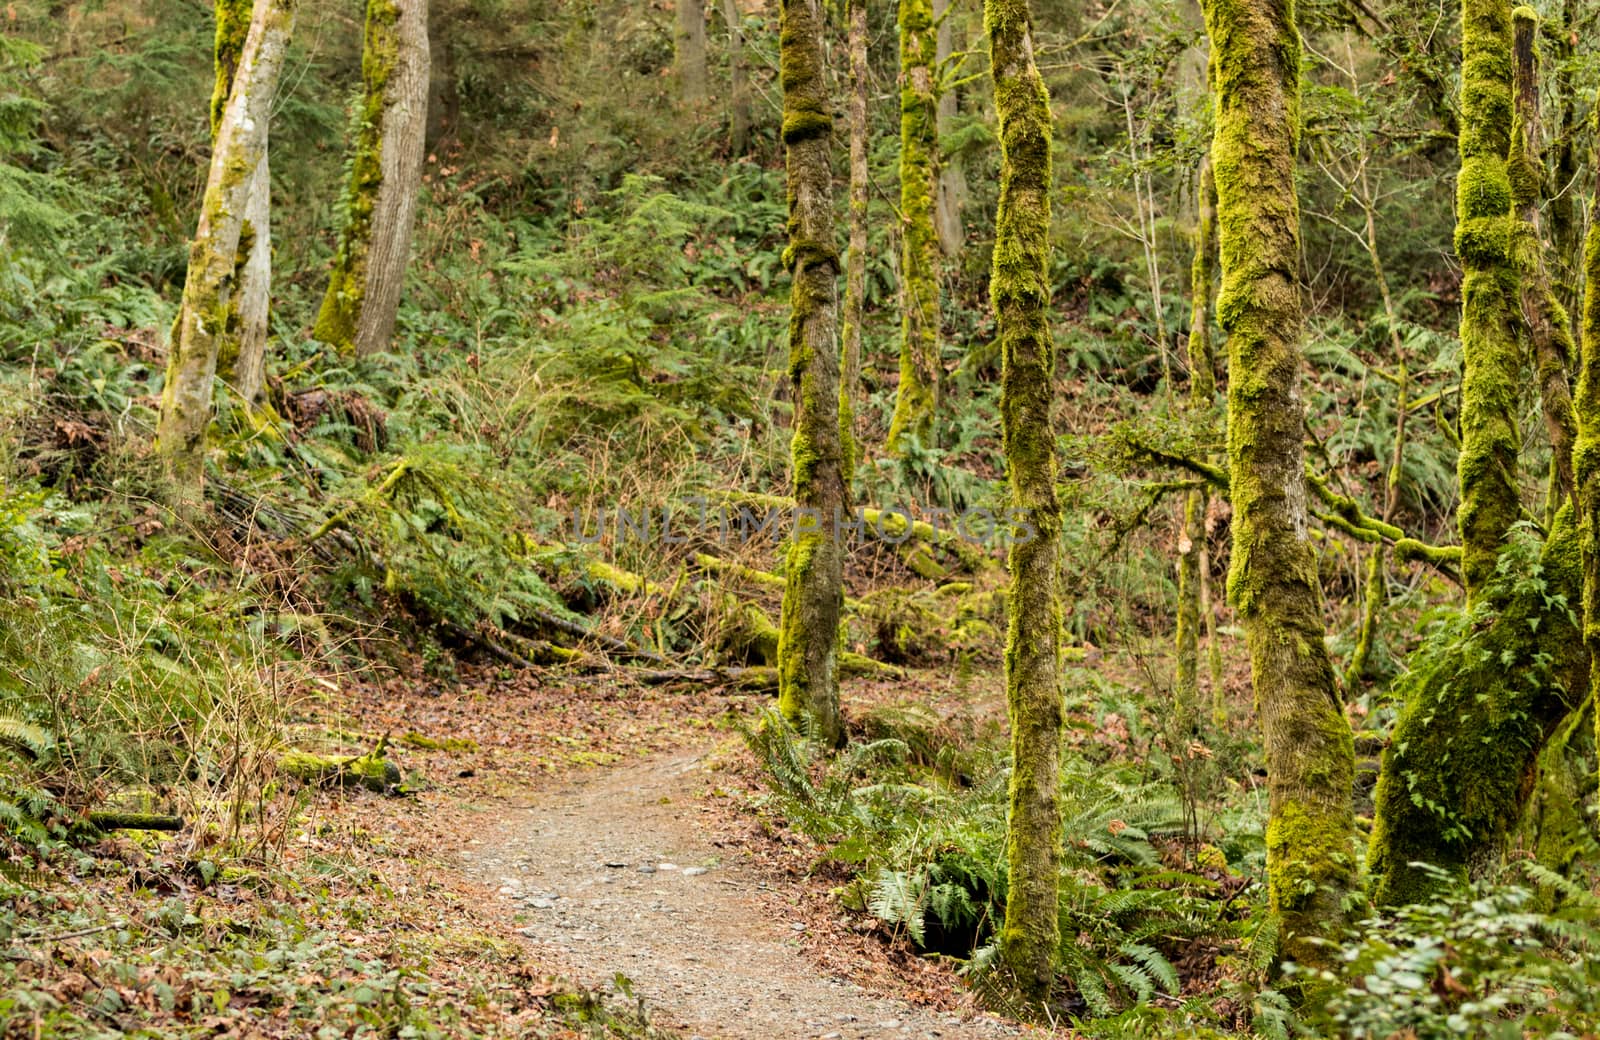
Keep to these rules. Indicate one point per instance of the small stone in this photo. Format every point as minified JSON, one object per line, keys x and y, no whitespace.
{"x":507,"y":890}
{"x":529,"y":933}
{"x":667,"y":866}
{"x":615,"y":864}
{"x":646,"y":868}
{"x":798,"y":926}
{"x":695,"y":871}
{"x":542,"y":904}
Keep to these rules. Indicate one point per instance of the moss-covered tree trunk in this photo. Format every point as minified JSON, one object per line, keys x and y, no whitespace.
{"x":1020,"y":291}
{"x":1202,"y":391}
{"x":242,"y":346}
{"x":209,"y":292}
{"x":1466,"y":746}
{"x":855,"y":280}
{"x":691,"y":49}
{"x":1272,"y":579}
{"x":808,"y":641}
{"x":738,"y":80}
{"x":1490,"y":440}
{"x":1586,"y":454}
{"x":952,"y":177}
{"x":916,"y":401}
{"x":358,"y":312}
{"x":1548,"y":324}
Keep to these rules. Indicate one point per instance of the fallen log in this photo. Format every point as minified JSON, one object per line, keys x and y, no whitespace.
{"x":134,"y":821}
{"x":372,"y":770}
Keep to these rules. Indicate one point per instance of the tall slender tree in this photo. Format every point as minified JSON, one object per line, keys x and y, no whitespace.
{"x":358,"y":312}
{"x":738,"y":80}
{"x":953,"y":189}
{"x":242,"y":345}
{"x":1490,"y":440}
{"x":1272,"y":580}
{"x":1586,"y":455}
{"x":1020,"y":292}
{"x":916,"y":401}
{"x":808,"y":635}
{"x":855,"y":280}
{"x":209,"y":291}
{"x":691,"y":49}
{"x":1202,"y":391}
{"x":1453,"y":783}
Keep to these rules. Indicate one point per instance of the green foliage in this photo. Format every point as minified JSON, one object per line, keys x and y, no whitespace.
{"x":1480,"y":961}
{"x":928,"y":858}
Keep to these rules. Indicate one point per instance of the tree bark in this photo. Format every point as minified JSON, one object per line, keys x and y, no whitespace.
{"x":808,"y":645}
{"x":1272,"y":578}
{"x":738,"y":80}
{"x":1490,"y":440}
{"x":1547,"y":321}
{"x":855,"y":282}
{"x":916,"y":401}
{"x":691,"y":50}
{"x":210,"y":293}
{"x":1202,"y":391}
{"x":1586,"y":454}
{"x":1020,"y":291}
{"x":363,"y":298}
{"x":952,"y":178}
{"x":242,"y":346}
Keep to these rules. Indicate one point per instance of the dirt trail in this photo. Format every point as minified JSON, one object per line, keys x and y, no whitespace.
{"x":619,"y":873}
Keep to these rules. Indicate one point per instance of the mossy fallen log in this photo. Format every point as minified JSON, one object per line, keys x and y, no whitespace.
{"x":134,"y":821}
{"x":372,"y":770}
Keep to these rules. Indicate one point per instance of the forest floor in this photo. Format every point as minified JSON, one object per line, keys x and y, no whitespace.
{"x":641,"y":873}
{"x":613,"y":834}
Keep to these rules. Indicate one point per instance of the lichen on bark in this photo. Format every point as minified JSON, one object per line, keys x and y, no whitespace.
{"x":808,"y":641}
{"x":210,"y":285}
{"x":1272,"y":578}
{"x":855,"y":283}
{"x":1019,"y":288}
{"x":364,"y":286}
{"x":916,"y":400}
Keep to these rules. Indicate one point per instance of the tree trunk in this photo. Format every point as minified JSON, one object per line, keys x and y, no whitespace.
{"x":1020,"y":290}
{"x":808,"y":645}
{"x":952,"y":178}
{"x":738,"y":80}
{"x":242,"y":345}
{"x":691,"y":49}
{"x":1549,"y":326}
{"x":1272,"y":579}
{"x":209,"y":292}
{"x":1487,"y":467}
{"x":1202,"y":391}
{"x":363,"y":298}
{"x":855,"y":282}
{"x":1586,"y":455}
{"x":1464,"y":754}
{"x":916,"y":400}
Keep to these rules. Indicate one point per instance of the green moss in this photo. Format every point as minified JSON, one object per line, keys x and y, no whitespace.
{"x":1490,"y":439}
{"x":340,"y":312}
{"x":233,"y":25}
{"x":1272,"y":577}
{"x":1479,"y":703}
{"x":1020,"y":292}
{"x":807,"y":646}
{"x":1586,"y":451}
{"x":916,"y":399}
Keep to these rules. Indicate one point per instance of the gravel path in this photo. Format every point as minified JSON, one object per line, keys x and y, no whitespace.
{"x":619,"y":874}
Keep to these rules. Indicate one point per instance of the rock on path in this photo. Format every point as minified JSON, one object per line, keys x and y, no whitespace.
{"x":618,"y":874}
